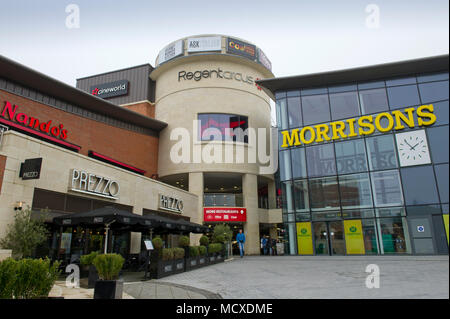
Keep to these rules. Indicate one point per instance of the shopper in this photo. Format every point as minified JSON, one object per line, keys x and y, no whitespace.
{"x":265,"y":245}
{"x":240,"y":238}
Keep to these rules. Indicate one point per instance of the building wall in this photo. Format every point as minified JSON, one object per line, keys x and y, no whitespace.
{"x":135,"y":190}
{"x":133,"y":148}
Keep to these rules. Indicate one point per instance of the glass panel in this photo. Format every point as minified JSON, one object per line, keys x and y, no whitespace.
{"x":382,"y":154}
{"x":371,"y":85}
{"x":294,"y":109}
{"x":359,"y":213}
{"x":432,"y":77}
{"x":280,"y":94}
{"x":288,"y":199}
{"x":390,"y":212}
{"x":303,"y":217}
{"x":355,"y":191}
{"x":314,"y":91}
{"x":301,"y":196}
{"x":316,"y":109}
{"x":373,"y":101}
{"x":298,"y":162}
{"x":371,"y":243}
{"x":290,"y":244}
{"x":442,"y":181}
{"x":437,"y":137}
{"x":337,"y":238}
{"x":434,"y":91}
{"x":324,"y":193}
{"x":394,"y":235}
{"x":344,"y":105}
{"x":285,"y":165}
{"x":327,"y":215}
{"x":320,"y":238}
{"x":401,"y":81}
{"x":441,"y":110}
{"x":387,"y":188}
{"x":351,"y":156}
{"x":282,"y":119}
{"x":321,"y":160}
{"x":403,"y":96}
{"x":293,"y":93}
{"x":423,"y":210}
{"x":342,"y":88}
{"x":419,"y":185}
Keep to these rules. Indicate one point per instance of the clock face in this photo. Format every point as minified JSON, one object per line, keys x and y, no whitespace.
{"x":412,"y":148}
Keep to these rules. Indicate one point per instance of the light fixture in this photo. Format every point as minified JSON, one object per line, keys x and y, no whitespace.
{"x":18,"y":206}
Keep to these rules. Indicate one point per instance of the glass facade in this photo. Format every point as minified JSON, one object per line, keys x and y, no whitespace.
{"x":355,"y":195}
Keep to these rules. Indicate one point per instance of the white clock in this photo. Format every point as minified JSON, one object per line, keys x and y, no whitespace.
{"x":413,"y":148}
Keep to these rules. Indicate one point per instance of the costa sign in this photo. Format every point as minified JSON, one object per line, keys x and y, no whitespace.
{"x":93,"y":184}
{"x":232,"y":214}
{"x":24,"y":119}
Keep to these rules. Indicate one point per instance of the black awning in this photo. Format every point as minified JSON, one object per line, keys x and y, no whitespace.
{"x":177,"y":224}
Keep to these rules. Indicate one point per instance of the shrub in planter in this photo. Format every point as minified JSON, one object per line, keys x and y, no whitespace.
{"x":88,"y":269}
{"x":157,"y":243}
{"x":219,"y":239}
{"x":183,"y":241}
{"x":202,"y":250}
{"x":202,"y":260}
{"x":178,"y":253}
{"x":27,"y":278}
{"x":108,"y":268}
{"x":194,"y":251}
{"x":167,"y":254}
{"x":178,"y":256}
{"x":204,"y":240}
{"x":86,"y":260}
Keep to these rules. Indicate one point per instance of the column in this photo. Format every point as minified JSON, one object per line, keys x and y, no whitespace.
{"x":196,"y":187}
{"x":251,"y":227}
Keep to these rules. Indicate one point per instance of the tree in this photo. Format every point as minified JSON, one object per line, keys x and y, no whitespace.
{"x":24,"y":234}
{"x":222,"y":233}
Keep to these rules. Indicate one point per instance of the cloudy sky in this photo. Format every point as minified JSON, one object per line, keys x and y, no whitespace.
{"x":298,"y":36}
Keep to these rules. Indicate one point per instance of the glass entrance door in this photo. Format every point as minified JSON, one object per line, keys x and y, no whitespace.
{"x":329,"y":238}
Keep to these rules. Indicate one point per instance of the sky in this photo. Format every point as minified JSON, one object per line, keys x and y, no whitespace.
{"x":299,"y":37}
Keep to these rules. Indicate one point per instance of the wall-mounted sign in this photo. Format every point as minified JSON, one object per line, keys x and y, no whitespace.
{"x":262,"y":58}
{"x":111,"y":89}
{"x":171,"y":51}
{"x":382,"y":122}
{"x":232,"y":214}
{"x":31,"y":168}
{"x":241,"y":48}
{"x":204,"y":44}
{"x":217,"y":74}
{"x":93,"y":184}
{"x":171,"y":204}
{"x":304,"y":239}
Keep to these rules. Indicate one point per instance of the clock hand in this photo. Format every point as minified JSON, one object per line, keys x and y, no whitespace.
{"x":413,"y":147}
{"x":407,"y":142}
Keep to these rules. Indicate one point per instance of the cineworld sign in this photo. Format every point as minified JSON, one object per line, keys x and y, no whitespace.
{"x":111,"y":89}
{"x":93,"y":184}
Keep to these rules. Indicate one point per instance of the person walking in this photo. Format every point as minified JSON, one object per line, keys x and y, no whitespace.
{"x":240,"y":238}
{"x":265,"y":245}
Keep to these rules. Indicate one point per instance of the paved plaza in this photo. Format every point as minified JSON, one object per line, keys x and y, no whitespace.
{"x":272,"y":277}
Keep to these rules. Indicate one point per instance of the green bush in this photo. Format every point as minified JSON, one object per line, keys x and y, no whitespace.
{"x":157,"y":243}
{"x":167,"y":254}
{"x":183,"y":241}
{"x":193,"y":251}
{"x":204,"y":240}
{"x":215,"y":248}
{"x":202,"y":250}
{"x":224,"y":231}
{"x":178,"y":253}
{"x":27,"y":278}
{"x":219,"y":239}
{"x":88,"y":259}
{"x":108,"y":266}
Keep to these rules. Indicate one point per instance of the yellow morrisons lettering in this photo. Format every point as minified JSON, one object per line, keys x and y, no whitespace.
{"x":383,"y":122}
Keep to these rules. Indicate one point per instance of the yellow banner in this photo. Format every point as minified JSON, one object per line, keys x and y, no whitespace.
{"x":446,"y":224}
{"x":304,"y":238}
{"x":354,"y":240}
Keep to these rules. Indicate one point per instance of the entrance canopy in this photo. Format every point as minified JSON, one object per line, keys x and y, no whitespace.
{"x":121,"y":219}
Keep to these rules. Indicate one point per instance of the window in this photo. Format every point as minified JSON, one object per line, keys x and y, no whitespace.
{"x":432,"y":77}
{"x":321,"y":160}
{"x":344,"y":105}
{"x":403,"y":96}
{"x":442,"y":181}
{"x":394,"y":235}
{"x":371,"y":85}
{"x":316,"y":109}
{"x":222,"y":127}
{"x":294,"y":112}
{"x":419,"y":185}
{"x":355,"y":191}
{"x":298,"y":162}
{"x":434,"y":91}
{"x":351,"y":157}
{"x":401,"y":81}
{"x":285,"y":165}
{"x":382,"y":154}
{"x":371,"y":244}
{"x":324,"y":193}
{"x":288,"y":200}
{"x":387,"y":189}
{"x":373,"y":101}
{"x":301,"y":196}
{"x":438,"y":140}
{"x":441,"y":110}
{"x":282,"y":118}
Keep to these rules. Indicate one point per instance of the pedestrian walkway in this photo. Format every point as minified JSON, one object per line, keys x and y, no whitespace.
{"x":163,"y":290}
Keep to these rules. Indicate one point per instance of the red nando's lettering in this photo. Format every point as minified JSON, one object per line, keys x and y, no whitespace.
{"x":34,"y":123}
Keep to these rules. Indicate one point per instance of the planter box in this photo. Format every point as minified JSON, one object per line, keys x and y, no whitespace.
{"x":108,"y":289}
{"x":178,"y":266}
{"x":192,"y":263}
{"x":203,"y":261}
{"x":161,"y":268}
{"x":92,"y":277}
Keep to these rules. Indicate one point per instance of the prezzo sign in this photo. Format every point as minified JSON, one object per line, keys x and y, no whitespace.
{"x":111,"y":89}
{"x":232,"y":214}
{"x":171,"y":51}
{"x":171,"y":204}
{"x":204,"y":44}
{"x":31,"y":168}
{"x":93,"y":184}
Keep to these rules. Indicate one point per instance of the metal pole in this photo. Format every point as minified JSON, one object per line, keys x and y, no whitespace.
{"x":106,"y":239}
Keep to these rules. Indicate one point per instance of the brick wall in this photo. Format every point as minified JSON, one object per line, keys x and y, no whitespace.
{"x":130,"y":147}
{"x":144,"y":108}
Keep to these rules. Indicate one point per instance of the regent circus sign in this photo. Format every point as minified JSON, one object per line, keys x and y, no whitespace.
{"x":49,"y":128}
{"x":232,"y":214}
{"x":218,"y":74}
{"x":383,"y":122}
